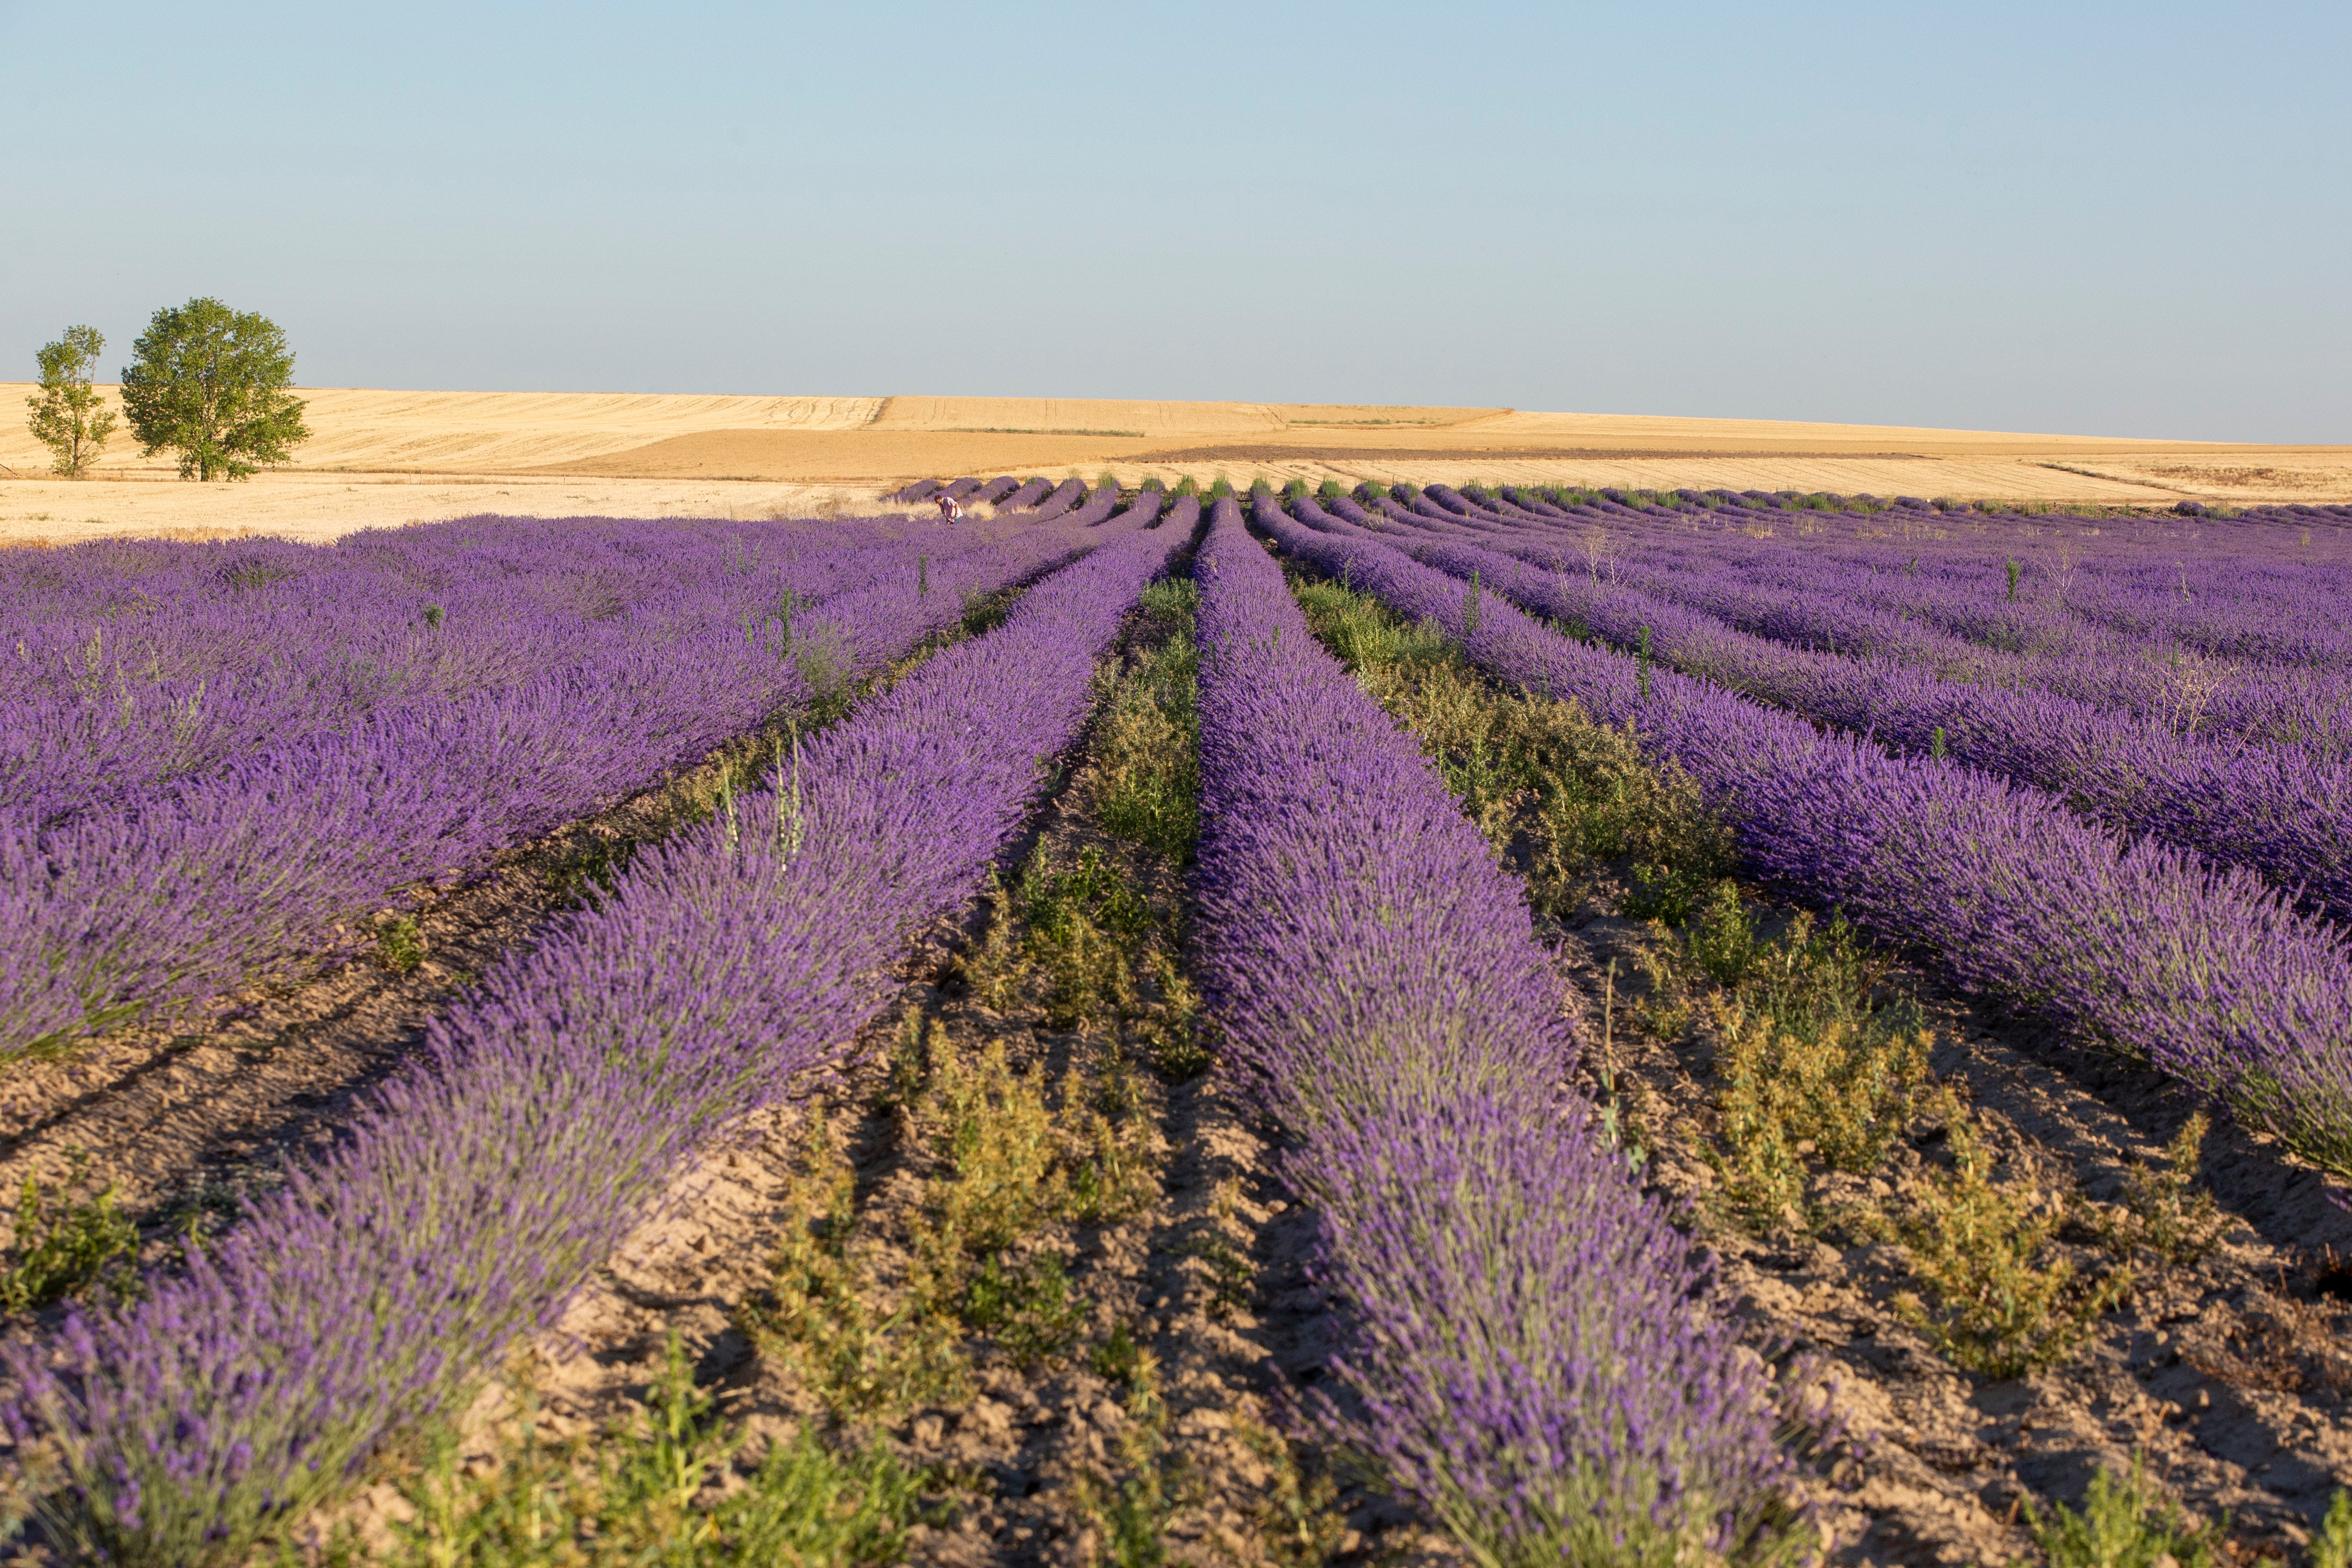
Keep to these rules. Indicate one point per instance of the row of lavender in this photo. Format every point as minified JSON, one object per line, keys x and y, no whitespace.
{"x":2210,"y":974}
{"x":1533,"y":1355}
{"x":137,"y":664}
{"x":477,"y":1189}
{"x":2071,"y":585}
{"x":259,"y":863}
{"x":2247,"y":588}
{"x":2276,"y":810}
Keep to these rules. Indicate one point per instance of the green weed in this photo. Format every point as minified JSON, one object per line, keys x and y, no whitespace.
{"x":2126,"y":1524}
{"x":663,"y":1492}
{"x":399,"y":943}
{"x":1028,"y":1307}
{"x":1299,"y":1522}
{"x":1147,"y":769}
{"x":65,"y":1243}
{"x":1128,"y":1510}
{"x":2177,"y":1224}
{"x":1997,"y":1299}
{"x":822,"y":1316}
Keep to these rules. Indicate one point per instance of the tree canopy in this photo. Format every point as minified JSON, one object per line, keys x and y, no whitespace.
{"x":70,"y":417}
{"x":210,"y":384}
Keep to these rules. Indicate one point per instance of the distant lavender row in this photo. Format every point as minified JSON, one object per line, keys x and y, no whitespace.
{"x":217,"y":655}
{"x":475,"y":1193}
{"x":2274,"y":810}
{"x":1815,"y":601}
{"x":255,"y":866}
{"x":2208,"y":974}
{"x":2216,"y":607}
{"x":1003,"y":491}
{"x":2213,"y":596}
{"x":1534,"y":1354}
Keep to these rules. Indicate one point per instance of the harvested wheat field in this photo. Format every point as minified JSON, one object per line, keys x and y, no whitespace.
{"x":388,"y":457}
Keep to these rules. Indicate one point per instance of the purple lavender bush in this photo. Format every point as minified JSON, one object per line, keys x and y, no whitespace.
{"x":1532,"y":1353}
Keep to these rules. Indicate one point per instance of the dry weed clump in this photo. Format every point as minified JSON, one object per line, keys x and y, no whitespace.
{"x":1813,"y":1065}
{"x":1995,"y":1293}
{"x":2162,"y":1214}
{"x":661,"y":1490}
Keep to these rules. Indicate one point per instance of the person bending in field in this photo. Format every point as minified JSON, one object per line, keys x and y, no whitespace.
{"x":950,"y":508}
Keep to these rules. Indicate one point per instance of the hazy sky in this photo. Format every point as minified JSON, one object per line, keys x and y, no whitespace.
{"x":2130,"y":220}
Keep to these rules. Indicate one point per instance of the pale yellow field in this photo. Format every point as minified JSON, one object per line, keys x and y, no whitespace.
{"x":384,"y":457}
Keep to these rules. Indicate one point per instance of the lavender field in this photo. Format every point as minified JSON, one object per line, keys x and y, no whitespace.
{"x":1501,"y":1027}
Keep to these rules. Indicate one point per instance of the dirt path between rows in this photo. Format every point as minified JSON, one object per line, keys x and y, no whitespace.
{"x":2226,"y":1375}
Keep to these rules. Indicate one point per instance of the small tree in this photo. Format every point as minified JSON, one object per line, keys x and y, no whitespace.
{"x":210,"y":384}
{"x":68,"y":415}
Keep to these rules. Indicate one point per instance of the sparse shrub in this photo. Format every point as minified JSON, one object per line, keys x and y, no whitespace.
{"x":399,"y":942}
{"x":661,"y":1491}
{"x":2125,"y":1524}
{"x":1722,"y":940}
{"x":1005,"y":1173}
{"x":983,"y":613}
{"x":1172,"y":1037}
{"x":1086,"y":927}
{"x":1129,"y":1509}
{"x":1809,"y":1068}
{"x":1299,"y":1521}
{"x":66,"y":1241}
{"x":1028,"y":1307}
{"x":821,"y":1316}
{"x":1668,"y":893}
{"x":2167,"y":1217}
{"x":1997,"y":1298}
{"x":1666,"y":1012}
{"x":824,"y":664}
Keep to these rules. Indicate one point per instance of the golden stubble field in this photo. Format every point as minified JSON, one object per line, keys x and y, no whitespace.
{"x":379,"y":457}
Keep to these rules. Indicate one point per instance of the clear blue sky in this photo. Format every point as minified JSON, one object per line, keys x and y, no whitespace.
{"x":2129,"y":220}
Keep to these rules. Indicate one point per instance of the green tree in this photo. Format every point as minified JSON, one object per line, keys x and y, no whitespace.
{"x":68,"y":415}
{"x":211,"y":384}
